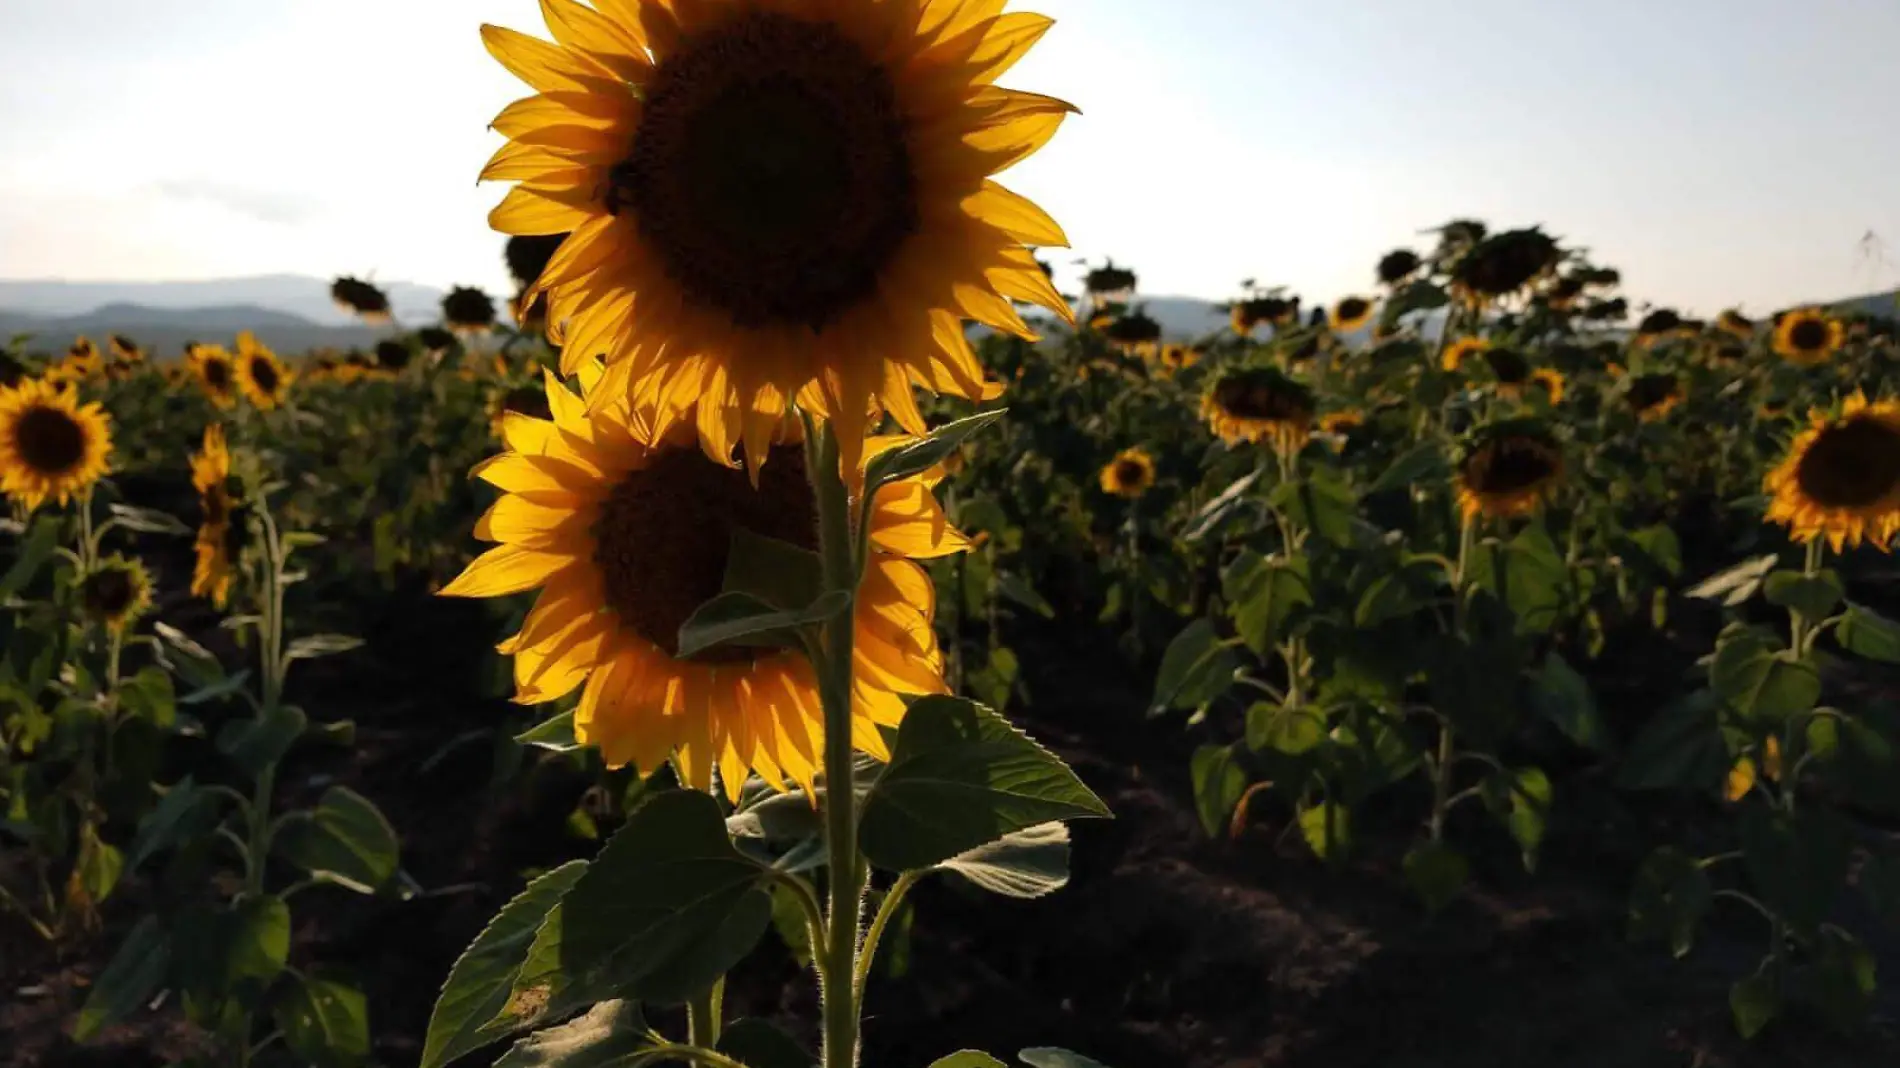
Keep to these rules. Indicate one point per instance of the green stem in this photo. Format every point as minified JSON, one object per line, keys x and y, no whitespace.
{"x":837,"y":550}
{"x":1441,"y":782}
{"x":1802,"y":632}
{"x":886,"y":909}
{"x":703,"y":1015}
{"x":14,"y":903}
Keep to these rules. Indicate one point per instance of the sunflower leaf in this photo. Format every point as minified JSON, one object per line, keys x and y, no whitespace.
{"x":925,"y":453}
{"x":147,"y":520}
{"x":1029,"y":863}
{"x":744,"y":619}
{"x":1738,"y":583}
{"x":33,"y":552}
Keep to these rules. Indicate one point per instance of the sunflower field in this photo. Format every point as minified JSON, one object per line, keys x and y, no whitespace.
{"x":1478,"y":670}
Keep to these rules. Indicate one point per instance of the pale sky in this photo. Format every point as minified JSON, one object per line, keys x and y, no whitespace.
{"x":1718,"y":151}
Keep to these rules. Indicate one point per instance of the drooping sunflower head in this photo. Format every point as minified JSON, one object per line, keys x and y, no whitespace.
{"x":83,"y":353}
{"x":625,"y":540}
{"x":1343,"y":423}
{"x":1133,"y":330}
{"x":1458,"y":237}
{"x":435,"y":340}
{"x":1259,"y":404}
{"x":220,"y":526}
{"x":1130,"y":474}
{"x":216,"y":372}
{"x":1840,"y":480}
{"x":1808,"y":336}
{"x":51,"y":446}
{"x":1563,"y":293}
{"x":1351,"y":314}
{"x":1509,"y":368}
{"x":1507,"y":468}
{"x":1503,"y":265}
{"x":1651,"y":396}
{"x":125,"y":349}
{"x":1551,"y":381}
{"x":1462,"y":349}
{"x":392,"y":355}
{"x":116,"y":592}
{"x":261,"y":376}
{"x":1274,"y":310}
{"x":361,"y":299}
{"x":468,"y":310}
{"x":1109,"y":283}
{"x":1734,"y":323}
{"x":797,"y":197}
{"x":1658,"y":324}
{"x":1398,"y":265}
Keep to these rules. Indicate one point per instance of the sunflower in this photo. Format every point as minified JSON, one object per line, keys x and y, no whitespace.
{"x":1260,"y":404}
{"x":1509,"y":369}
{"x":260,"y":374}
{"x":392,"y":355}
{"x":1841,"y":477}
{"x":1130,"y":474}
{"x":1658,"y":325}
{"x":1651,"y":396}
{"x":1551,"y":381}
{"x":218,"y":521}
{"x":1808,"y":336}
{"x":1462,"y":349}
{"x":360,"y":298}
{"x":1178,"y":357}
{"x":1734,"y":323}
{"x":1108,"y":283}
{"x":468,"y":311}
{"x":125,"y":350}
{"x":1507,"y":468}
{"x":1342,"y":424}
{"x":435,"y":340}
{"x":1351,"y":314}
{"x":1564,"y":293}
{"x":1134,"y":332}
{"x":768,"y":202}
{"x":215,"y":371}
{"x":116,"y":592}
{"x":626,"y":540}
{"x":51,"y":446}
{"x":1398,"y":265}
{"x":12,"y":371}
{"x":1503,"y":265}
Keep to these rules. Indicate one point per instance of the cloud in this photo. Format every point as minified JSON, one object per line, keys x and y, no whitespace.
{"x":263,"y":205}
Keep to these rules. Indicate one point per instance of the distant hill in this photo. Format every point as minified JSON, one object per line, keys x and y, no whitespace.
{"x":303,"y":296}
{"x":1886,"y":305}
{"x":163,"y":332}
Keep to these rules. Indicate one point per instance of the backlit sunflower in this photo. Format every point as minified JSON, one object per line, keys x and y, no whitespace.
{"x":51,"y":446}
{"x":214,"y":548}
{"x":1134,"y":333}
{"x":1342,"y":425}
{"x":1509,"y":369}
{"x":1808,"y":336}
{"x":1260,"y":404}
{"x":1551,"y":381}
{"x":768,"y":202}
{"x":468,"y":311}
{"x":125,"y":350}
{"x":1841,"y":477}
{"x":1507,"y":468}
{"x":1397,"y":266}
{"x":1652,"y":396}
{"x":1462,"y":349}
{"x":1130,"y":474}
{"x":1734,"y":323}
{"x":215,"y":371}
{"x":116,"y":592}
{"x":262,"y":377}
{"x":1351,"y":314}
{"x":626,"y":540}
{"x":1503,"y":265}
{"x":360,"y":298}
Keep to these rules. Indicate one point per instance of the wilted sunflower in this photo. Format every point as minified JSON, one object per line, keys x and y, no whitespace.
{"x":1808,"y":336}
{"x":392,"y":355}
{"x":1507,"y":468}
{"x":1135,"y":332}
{"x":626,"y":540}
{"x":51,"y":446}
{"x":116,"y":592}
{"x":1841,"y":477}
{"x":1461,"y":350}
{"x":215,"y":371}
{"x":469,"y":311}
{"x":1551,"y":381}
{"x":435,"y":340}
{"x":768,"y":202}
{"x":1397,"y":266}
{"x":1733,"y":322}
{"x":1109,"y":283}
{"x":361,"y":299}
{"x":1244,"y":315}
{"x":1564,"y":293}
{"x":262,"y":377}
{"x":1509,"y":369}
{"x":1504,"y":265}
{"x":1652,"y":396}
{"x":1260,"y":404}
{"x":1351,"y":314}
{"x":1658,"y":325}
{"x":211,"y":477}
{"x":1130,"y":474}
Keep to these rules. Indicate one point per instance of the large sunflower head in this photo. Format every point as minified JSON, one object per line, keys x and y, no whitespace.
{"x":1808,"y":336}
{"x":625,"y":540}
{"x":216,"y":371}
{"x":1259,"y":404}
{"x":1398,"y":265}
{"x":360,"y":298}
{"x":1506,"y":469}
{"x":1462,"y":349}
{"x":1351,"y":314}
{"x":1503,"y":265}
{"x":261,"y":376}
{"x":1651,"y":396}
{"x":768,"y":202}
{"x":1841,"y":477}
{"x":1130,"y":474}
{"x":51,"y":446}
{"x":468,"y":310}
{"x":116,"y":592}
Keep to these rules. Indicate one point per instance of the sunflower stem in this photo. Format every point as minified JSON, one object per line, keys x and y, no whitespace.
{"x":843,"y":929}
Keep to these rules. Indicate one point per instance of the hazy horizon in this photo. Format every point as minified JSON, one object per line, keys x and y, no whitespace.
{"x":1219,"y":139}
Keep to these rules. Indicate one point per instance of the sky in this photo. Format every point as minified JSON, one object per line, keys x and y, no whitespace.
{"x":1719,"y":152}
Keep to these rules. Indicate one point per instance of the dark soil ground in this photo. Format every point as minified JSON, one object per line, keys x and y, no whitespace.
{"x":1167,"y":950}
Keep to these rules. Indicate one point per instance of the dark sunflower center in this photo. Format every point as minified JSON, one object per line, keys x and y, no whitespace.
{"x":1353,"y":309}
{"x":1509,"y":365}
{"x":771,"y":172}
{"x":1510,"y":466}
{"x":49,"y":441}
{"x":217,"y":374}
{"x":264,"y":374}
{"x":662,"y":537}
{"x":1809,"y":335}
{"x":108,"y":593}
{"x":216,"y":503}
{"x":1851,"y":465}
{"x":1129,"y":473}
{"x":1252,"y":400}
{"x":1649,"y":391}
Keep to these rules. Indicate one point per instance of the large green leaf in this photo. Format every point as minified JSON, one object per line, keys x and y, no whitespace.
{"x":961,"y":776}
{"x":758,"y":1044}
{"x":1327,"y":828}
{"x":1436,"y":872}
{"x":255,"y":743}
{"x":1197,"y":667}
{"x":1264,"y":596}
{"x":1219,"y":782}
{"x":177,"y":815}
{"x":1422,"y":464}
{"x":1022,"y":864}
{"x":478,"y":986}
{"x":1320,"y":503}
{"x":1814,"y":597}
{"x":1797,"y":862}
{"x":1842,"y":984}
{"x":918,"y":456}
{"x":779,"y":573}
{"x":1763,"y":683}
{"x":136,"y":972}
{"x":746,"y":620}
{"x":1680,"y":747}
{"x":220,"y":948}
{"x":1562,"y":696}
{"x":1754,"y":1002}
{"x":604,"y":1037}
{"x":1671,"y":896}
{"x":1867,"y":633}
{"x":149,"y":696}
{"x":345,"y":840}
{"x":325,"y":1022}
{"x":1285,"y":728}
{"x":968,"y":1058}
{"x":34,"y":551}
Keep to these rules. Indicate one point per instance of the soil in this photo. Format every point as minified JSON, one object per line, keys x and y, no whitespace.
{"x":1167,"y":949}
